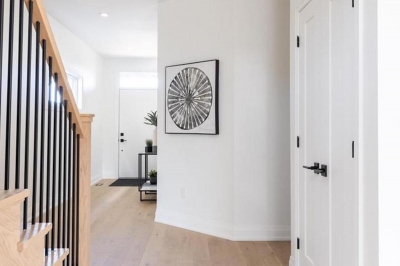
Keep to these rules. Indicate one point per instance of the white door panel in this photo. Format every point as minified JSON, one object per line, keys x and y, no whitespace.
{"x":314,"y":126}
{"x":134,"y":106}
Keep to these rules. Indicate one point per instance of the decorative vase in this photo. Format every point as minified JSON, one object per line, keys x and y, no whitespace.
{"x":153,"y":180}
{"x":155,"y":136}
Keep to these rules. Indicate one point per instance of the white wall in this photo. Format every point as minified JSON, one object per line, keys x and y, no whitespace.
{"x":262,"y":153}
{"x":381,"y":111}
{"x":82,"y":60}
{"x":369,"y":222}
{"x":110,"y":100}
{"x":191,"y":31}
{"x":237,"y":183}
{"x":388,"y":131}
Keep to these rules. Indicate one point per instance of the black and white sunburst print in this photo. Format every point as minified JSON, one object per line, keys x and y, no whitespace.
{"x":190,"y":98}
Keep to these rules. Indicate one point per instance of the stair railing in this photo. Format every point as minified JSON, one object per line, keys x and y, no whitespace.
{"x":44,"y":140}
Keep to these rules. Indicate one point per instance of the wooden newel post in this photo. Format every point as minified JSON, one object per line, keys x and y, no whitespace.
{"x":84,"y":190}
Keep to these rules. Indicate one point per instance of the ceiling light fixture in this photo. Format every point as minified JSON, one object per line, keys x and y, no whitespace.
{"x":104,"y":15}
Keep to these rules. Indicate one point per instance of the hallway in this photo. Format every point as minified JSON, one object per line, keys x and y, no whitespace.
{"x":124,"y":233}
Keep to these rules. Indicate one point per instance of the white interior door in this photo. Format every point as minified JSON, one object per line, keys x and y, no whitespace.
{"x":314,"y":132}
{"x":134,"y":106}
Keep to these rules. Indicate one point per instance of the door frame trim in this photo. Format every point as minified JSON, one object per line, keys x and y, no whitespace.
{"x":295,"y":128}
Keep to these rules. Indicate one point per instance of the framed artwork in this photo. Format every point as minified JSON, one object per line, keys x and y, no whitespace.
{"x":191,"y":98}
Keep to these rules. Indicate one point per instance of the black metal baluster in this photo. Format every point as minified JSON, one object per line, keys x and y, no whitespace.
{"x":1,"y":51}
{"x":42,"y":131}
{"x":53,"y":212}
{"x":9,"y":97}
{"x":49,"y":93}
{"x":36,"y":122}
{"x":74,"y":171}
{"x":19,"y":96}
{"x":65,"y":173}
{"x":28,"y":113}
{"x":78,"y":144}
{"x":69,"y":186}
{"x":60,"y":169}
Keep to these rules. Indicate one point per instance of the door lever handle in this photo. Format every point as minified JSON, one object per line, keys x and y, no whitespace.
{"x":315,"y":167}
{"x":322,"y":171}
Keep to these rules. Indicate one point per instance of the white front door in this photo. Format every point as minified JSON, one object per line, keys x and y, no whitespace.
{"x":314,"y":131}
{"x":134,"y":106}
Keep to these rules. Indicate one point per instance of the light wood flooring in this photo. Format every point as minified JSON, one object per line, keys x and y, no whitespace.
{"x":124,"y":233}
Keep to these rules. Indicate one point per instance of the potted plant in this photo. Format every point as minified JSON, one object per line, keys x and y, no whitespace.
{"x":151,"y":120}
{"x":153,"y":177}
{"x":149,"y":145}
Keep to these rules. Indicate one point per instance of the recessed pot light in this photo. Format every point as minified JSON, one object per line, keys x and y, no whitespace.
{"x":104,"y":15}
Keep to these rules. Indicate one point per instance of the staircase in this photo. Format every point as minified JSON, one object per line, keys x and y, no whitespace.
{"x":45,"y":147}
{"x":23,"y":247}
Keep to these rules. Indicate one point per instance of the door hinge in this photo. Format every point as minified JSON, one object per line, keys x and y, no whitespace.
{"x":298,"y":41}
{"x":298,"y":142}
{"x":298,"y":243}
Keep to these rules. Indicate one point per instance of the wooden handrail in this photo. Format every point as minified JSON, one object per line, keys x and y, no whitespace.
{"x":40,"y":15}
{"x":84,"y":190}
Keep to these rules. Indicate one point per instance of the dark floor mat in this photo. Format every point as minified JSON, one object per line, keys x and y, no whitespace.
{"x":126,"y":182}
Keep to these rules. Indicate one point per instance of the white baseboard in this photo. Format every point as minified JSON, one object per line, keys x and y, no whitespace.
{"x":226,"y":231}
{"x":291,"y":261}
{"x":262,"y":233}
{"x":194,"y":224}
{"x":94,"y":181}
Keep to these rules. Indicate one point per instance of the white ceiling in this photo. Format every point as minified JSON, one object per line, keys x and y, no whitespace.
{"x":129,"y":31}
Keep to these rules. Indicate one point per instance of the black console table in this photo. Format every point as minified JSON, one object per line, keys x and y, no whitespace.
{"x":144,"y":183}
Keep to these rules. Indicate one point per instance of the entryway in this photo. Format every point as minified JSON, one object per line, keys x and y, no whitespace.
{"x":134,"y":105}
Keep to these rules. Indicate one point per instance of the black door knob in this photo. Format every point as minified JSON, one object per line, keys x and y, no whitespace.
{"x":123,"y":140}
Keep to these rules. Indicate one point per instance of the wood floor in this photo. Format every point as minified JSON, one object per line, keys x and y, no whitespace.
{"x":124,"y":233}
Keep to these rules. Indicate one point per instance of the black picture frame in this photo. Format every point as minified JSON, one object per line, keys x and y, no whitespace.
{"x":215,"y":90}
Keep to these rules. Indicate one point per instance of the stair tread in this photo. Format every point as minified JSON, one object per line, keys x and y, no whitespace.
{"x":33,"y":231}
{"x":56,"y":257}
{"x":11,"y":197}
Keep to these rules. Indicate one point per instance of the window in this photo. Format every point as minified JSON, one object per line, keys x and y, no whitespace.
{"x":76,"y":85}
{"x":138,"y":80}
{"x":54,"y":92}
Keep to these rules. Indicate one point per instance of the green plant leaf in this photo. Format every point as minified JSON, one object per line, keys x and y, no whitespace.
{"x":151,"y":118}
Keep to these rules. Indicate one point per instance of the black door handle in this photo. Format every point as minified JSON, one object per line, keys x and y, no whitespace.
{"x":323,"y":170}
{"x":123,"y":140}
{"x":315,"y":167}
